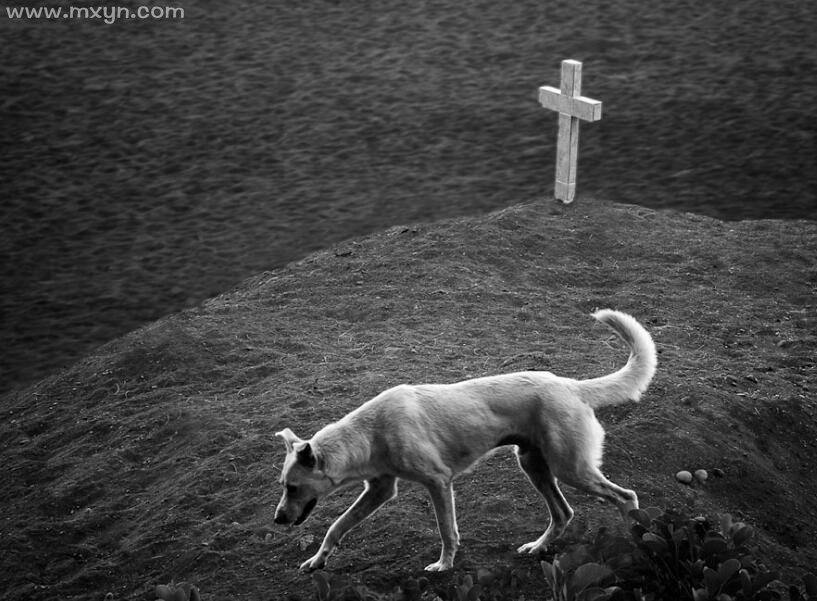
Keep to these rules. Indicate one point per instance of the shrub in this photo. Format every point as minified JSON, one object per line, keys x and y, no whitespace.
{"x":668,"y":556}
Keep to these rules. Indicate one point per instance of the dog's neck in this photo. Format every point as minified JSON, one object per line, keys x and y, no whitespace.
{"x":344,"y":454}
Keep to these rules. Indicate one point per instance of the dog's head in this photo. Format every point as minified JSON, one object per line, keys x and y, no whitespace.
{"x":304,"y":481}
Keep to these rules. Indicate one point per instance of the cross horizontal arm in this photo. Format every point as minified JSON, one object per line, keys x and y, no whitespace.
{"x":582,"y":107}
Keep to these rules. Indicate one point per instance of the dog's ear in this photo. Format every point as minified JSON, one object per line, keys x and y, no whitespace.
{"x":289,"y":438}
{"x":305,"y":455}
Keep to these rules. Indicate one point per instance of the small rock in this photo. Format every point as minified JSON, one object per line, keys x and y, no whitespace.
{"x":701,"y":476}
{"x":305,"y":541}
{"x":717,"y":472}
{"x":684,"y":477}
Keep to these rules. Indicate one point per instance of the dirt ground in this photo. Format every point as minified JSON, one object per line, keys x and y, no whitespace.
{"x":147,"y":165}
{"x":153,"y":459}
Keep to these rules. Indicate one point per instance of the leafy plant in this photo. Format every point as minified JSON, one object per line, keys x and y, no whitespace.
{"x":183,"y":591}
{"x":678,"y":557}
{"x":586,"y":583}
{"x":810,"y":583}
{"x":465,"y":590}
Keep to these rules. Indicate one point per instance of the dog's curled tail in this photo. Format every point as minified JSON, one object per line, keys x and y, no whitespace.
{"x":630,"y":381}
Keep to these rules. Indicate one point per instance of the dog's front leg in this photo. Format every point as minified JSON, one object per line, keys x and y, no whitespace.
{"x":442,"y":495}
{"x":378,"y":491}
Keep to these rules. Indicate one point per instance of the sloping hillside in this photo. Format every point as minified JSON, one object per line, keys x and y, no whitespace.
{"x":153,"y":459}
{"x":148,"y":164}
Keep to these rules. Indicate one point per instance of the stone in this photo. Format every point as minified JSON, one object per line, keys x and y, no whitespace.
{"x":684,"y":477}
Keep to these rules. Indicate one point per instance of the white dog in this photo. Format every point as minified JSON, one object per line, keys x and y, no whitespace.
{"x":431,"y":432}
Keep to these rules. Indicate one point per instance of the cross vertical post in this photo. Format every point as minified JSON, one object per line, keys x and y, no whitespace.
{"x":572,"y":107}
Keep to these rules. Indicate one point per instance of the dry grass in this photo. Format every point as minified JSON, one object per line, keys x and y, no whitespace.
{"x":152,"y":459}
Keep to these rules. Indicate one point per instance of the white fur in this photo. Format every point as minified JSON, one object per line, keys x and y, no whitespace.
{"x":429,"y":433}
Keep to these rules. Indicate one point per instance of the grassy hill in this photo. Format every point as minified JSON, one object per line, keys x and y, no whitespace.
{"x":147,"y":165}
{"x":153,"y":458}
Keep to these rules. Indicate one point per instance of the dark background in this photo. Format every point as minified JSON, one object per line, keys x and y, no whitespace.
{"x":148,"y":164}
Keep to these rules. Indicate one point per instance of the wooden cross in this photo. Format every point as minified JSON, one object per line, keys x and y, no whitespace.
{"x":572,"y":106}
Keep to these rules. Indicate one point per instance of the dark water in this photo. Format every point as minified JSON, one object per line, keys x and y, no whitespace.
{"x":147,"y":165}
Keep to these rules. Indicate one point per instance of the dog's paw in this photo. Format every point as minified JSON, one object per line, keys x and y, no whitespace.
{"x":439,"y":566}
{"x":314,"y":563}
{"x":534,"y":547}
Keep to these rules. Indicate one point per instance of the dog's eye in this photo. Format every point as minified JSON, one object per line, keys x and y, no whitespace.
{"x":291,"y":489}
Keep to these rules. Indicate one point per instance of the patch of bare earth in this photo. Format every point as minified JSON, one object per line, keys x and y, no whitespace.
{"x":153,"y":459}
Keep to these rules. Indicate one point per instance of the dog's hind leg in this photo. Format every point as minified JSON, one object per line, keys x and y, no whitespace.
{"x":442,"y":496}
{"x":378,"y":491}
{"x":590,"y":479}
{"x":580,"y":467}
{"x":538,"y":472}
